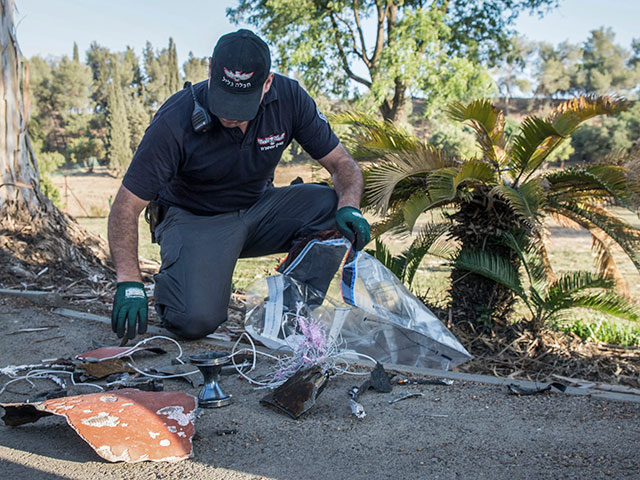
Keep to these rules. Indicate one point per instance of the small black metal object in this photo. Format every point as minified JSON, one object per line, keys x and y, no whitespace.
{"x":518,"y":390}
{"x":298,"y":394}
{"x":210,"y":365}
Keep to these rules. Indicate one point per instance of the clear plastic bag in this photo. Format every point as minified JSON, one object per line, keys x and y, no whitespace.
{"x":360,"y":304}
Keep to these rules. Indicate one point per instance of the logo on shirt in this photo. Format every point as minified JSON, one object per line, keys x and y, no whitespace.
{"x":272,"y":141}
{"x":321,"y":115}
{"x":237,"y":76}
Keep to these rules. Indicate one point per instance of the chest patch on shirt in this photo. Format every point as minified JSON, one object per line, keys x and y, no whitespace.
{"x":271,"y":141}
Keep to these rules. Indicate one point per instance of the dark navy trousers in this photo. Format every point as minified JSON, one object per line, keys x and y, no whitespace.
{"x":199,"y":253}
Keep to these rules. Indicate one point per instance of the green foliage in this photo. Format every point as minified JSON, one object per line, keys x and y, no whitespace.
{"x":612,"y":333}
{"x":163,"y":78}
{"x":506,"y":193}
{"x":430,"y":49}
{"x":452,"y":138}
{"x":611,"y":136}
{"x":429,"y":241}
{"x":196,"y":69}
{"x":138,"y":118}
{"x":599,"y":67}
{"x":85,"y":111}
{"x":48,"y":162}
{"x":118,"y":135}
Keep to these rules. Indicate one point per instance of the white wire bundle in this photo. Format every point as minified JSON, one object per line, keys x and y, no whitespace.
{"x":312,"y":347}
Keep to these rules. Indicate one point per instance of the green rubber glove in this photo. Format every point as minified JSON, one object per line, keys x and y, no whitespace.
{"x":129,"y":308}
{"x":354,"y":226}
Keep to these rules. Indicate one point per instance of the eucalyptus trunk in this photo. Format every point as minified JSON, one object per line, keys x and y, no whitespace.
{"x":34,"y":234}
{"x":19,"y":177}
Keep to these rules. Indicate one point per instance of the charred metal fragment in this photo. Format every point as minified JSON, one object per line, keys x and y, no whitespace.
{"x":299,"y":393}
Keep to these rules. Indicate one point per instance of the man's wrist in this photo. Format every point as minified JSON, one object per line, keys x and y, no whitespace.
{"x":128,"y":278}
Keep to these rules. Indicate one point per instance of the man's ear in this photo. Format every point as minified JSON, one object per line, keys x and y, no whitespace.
{"x":267,"y":83}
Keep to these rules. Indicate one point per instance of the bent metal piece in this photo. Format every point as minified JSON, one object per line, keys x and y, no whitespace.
{"x":126,"y":425}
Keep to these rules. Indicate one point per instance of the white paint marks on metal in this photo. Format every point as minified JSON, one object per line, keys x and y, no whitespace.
{"x":103,"y":419}
{"x":108,"y":398}
{"x":176,"y":413}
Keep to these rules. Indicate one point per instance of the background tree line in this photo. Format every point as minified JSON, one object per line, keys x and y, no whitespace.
{"x":96,"y":110}
{"x":416,"y":60}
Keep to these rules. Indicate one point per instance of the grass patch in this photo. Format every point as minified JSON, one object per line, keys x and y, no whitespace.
{"x":605,"y":331}
{"x":247,"y":270}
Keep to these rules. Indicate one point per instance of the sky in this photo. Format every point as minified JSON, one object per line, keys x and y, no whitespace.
{"x":49,"y":27}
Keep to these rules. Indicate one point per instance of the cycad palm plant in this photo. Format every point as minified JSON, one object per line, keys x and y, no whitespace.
{"x":505,"y":192}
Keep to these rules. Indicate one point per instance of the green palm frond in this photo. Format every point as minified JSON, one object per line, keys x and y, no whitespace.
{"x":372,"y":136}
{"x":568,"y":116}
{"x":393,"y":223}
{"x":429,"y":241}
{"x":573,"y":290}
{"x":384,"y":256}
{"x":414,"y":207}
{"x":441,"y":185}
{"x":531,"y":254}
{"x":598,"y":182}
{"x":384,"y":176}
{"x":525,"y":200}
{"x":532,"y":145}
{"x":491,"y":266}
{"x":488,"y":122}
{"x":610,"y":303}
{"x":474,"y":171}
{"x":571,"y":283}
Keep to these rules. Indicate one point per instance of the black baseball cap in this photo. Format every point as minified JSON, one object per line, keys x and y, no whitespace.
{"x":240,"y":65}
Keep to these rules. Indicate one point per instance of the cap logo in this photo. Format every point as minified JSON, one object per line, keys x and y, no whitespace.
{"x":237,"y":76}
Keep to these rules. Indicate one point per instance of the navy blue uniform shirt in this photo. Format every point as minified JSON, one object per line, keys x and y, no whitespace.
{"x":222,"y":170}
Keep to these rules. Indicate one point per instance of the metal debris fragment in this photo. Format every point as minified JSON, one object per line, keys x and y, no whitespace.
{"x":405,"y":395}
{"x":121,"y":426}
{"x":298,"y":394}
{"x":357,"y":409}
{"x":515,"y":389}
{"x":424,"y":381}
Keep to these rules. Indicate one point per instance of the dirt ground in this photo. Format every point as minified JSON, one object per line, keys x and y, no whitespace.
{"x":467,"y":430}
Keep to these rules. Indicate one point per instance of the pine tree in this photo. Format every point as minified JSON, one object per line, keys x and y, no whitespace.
{"x":195,"y":69}
{"x":118,"y":136}
{"x":139,"y":119}
{"x":174,"y":75}
{"x":76,"y":56}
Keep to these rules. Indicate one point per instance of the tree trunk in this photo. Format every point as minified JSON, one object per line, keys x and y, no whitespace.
{"x":393,"y":109}
{"x":480,"y":225}
{"x":19,"y":176}
{"x":38,"y":244}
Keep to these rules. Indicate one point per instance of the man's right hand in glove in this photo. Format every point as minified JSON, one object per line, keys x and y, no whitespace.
{"x":129,"y":309}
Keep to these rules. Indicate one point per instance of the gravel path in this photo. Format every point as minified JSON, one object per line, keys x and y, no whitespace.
{"x":467,"y":430}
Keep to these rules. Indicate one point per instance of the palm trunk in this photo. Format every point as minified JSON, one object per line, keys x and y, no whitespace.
{"x":480,"y":225}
